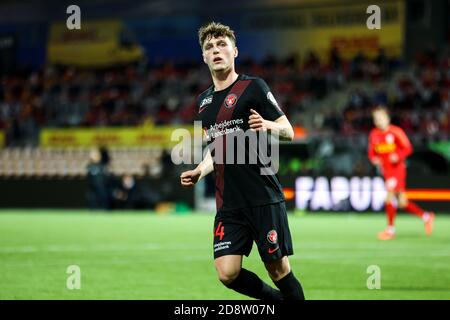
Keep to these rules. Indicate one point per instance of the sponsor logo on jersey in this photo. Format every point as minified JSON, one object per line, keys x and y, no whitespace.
{"x":272,"y":236}
{"x":385,"y":148}
{"x":205,"y":103}
{"x":230,"y":100}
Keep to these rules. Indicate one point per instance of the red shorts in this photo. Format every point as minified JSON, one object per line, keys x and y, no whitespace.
{"x":395,"y":180}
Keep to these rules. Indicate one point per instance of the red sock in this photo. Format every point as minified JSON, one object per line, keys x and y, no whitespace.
{"x":413,"y":208}
{"x":391,"y":211}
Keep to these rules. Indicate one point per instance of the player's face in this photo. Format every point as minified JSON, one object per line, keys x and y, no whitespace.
{"x":94,"y":155}
{"x":381,"y":119}
{"x":219,"y":53}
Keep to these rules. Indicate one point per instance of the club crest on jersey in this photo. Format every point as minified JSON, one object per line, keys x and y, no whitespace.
{"x":272,"y":236}
{"x":390,"y":138}
{"x":230,"y":100}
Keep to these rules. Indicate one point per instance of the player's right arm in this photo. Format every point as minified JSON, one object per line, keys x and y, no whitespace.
{"x":191,"y":177}
{"x":374,"y":159}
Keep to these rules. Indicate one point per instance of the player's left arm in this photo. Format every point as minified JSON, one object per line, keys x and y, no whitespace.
{"x":404,"y":147}
{"x":267,"y":115}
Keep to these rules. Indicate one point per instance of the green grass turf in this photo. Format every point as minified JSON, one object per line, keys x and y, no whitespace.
{"x":144,"y":256}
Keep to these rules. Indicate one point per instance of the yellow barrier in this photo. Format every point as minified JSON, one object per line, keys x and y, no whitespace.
{"x":338,"y":24}
{"x":97,"y":43}
{"x":112,"y":137}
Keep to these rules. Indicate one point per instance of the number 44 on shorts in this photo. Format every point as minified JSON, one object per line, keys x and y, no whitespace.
{"x":219,"y":231}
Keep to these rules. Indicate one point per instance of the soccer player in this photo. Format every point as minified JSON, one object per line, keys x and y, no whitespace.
{"x":388,"y":149}
{"x":250,"y":206}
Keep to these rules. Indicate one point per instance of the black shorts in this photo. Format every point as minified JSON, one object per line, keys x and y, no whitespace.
{"x":267,"y":225}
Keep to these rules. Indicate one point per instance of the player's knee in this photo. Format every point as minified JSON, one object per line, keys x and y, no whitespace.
{"x":227,"y":275}
{"x":390,"y":198}
{"x":277,"y":274}
{"x":277,"y":269}
{"x":402,"y":204}
{"x":402,"y":201}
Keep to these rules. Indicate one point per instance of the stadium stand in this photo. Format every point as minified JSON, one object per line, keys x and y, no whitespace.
{"x":72,"y":162}
{"x":165,"y":93}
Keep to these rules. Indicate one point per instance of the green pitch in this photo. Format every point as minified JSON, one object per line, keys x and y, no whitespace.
{"x":144,"y":256}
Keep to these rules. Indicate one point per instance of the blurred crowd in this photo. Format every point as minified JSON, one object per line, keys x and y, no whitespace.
{"x":418,"y":99}
{"x":109,"y":190}
{"x":165,"y":93}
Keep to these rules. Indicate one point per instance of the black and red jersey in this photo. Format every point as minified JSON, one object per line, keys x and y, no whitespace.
{"x":226,"y":113}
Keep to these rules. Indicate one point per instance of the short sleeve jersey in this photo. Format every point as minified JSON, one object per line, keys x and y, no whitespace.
{"x":225,"y":115}
{"x":384,"y":143}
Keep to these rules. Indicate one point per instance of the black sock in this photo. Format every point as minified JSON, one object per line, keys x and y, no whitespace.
{"x":251,"y":285}
{"x":290,"y":287}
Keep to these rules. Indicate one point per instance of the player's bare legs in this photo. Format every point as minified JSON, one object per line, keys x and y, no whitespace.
{"x":411,"y":207}
{"x":408,"y":206}
{"x":233,"y":276}
{"x":278,"y":269}
{"x":391,"y":212}
{"x":228,"y":268}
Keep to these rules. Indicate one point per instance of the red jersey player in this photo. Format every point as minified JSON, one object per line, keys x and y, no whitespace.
{"x":388,"y":149}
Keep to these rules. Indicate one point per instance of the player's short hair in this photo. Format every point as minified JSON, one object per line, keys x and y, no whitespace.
{"x":215,"y":30}
{"x":382,"y":108}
